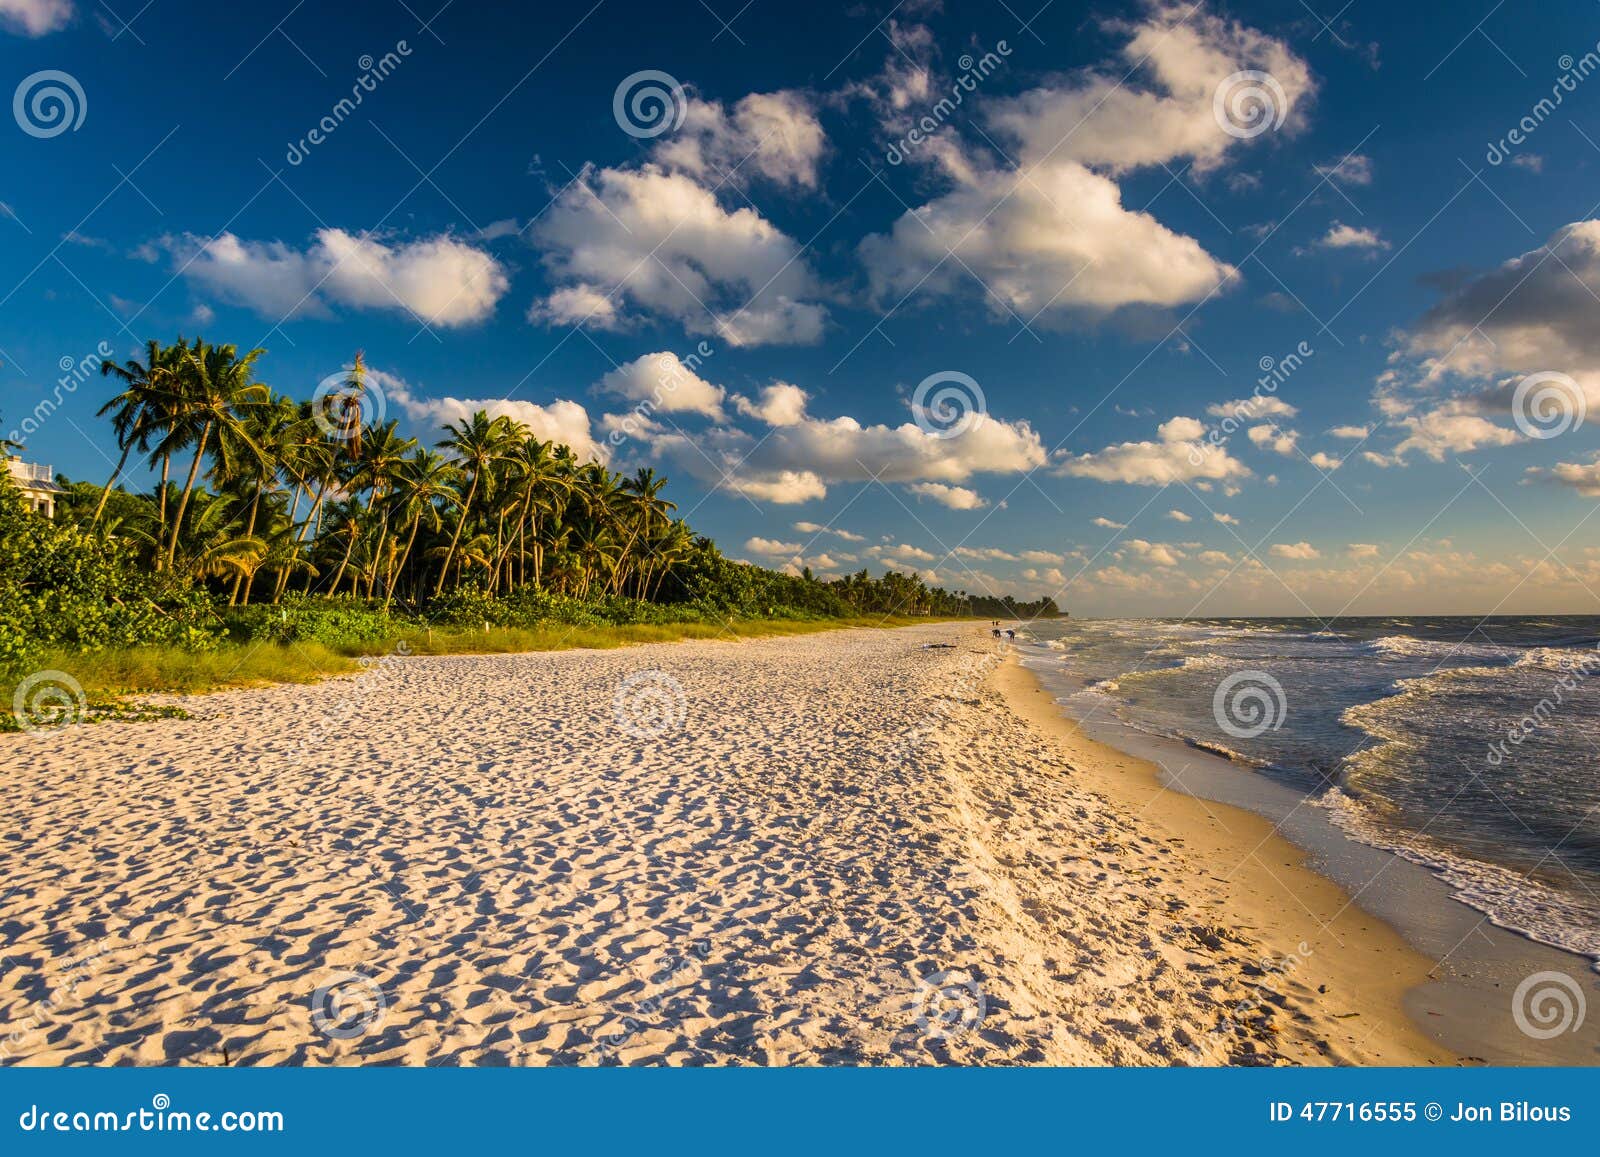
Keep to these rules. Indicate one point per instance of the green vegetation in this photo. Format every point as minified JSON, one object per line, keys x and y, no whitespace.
{"x":106,"y":675}
{"x":284,"y":539}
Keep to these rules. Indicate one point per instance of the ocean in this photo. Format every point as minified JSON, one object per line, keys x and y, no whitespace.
{"x":1470,"y":746}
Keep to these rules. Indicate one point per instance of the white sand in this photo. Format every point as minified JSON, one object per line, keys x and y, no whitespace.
{"x":836,"y":819}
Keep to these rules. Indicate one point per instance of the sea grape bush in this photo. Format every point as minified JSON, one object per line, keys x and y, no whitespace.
{"x":61,"y":586}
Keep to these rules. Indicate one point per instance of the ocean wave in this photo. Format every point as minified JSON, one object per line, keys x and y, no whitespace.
{"x":1228,"y":753}
{"x":1410,"y":647}
{"x":1586,"y":660}
{"x":1506,"y":897}
{"x":1393,"y":718}
{"x":1207,"y":662}
{"x":1426,"y":700}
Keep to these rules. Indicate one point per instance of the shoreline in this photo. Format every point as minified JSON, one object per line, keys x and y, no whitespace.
{"x":1482,"y":976}
{"x":1346,"y":997}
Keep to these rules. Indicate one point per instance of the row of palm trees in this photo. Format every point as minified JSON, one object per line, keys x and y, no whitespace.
{"x":278,"y":495}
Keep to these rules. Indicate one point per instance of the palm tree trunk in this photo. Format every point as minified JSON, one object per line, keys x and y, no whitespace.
{"x":500,"y":550}
{"x":314,"y":514}
{"x":377,"y":556}
{"x":620,"y":571}
{"x":461,"y":523}
{"x":249,"y":531}
{"x":344,"y":562}
{"x":400,"y":566}
{"x":188,"y":490}
{"x":161,"y":529}
{"x":110,"y":482}
{"x":522,"y":538}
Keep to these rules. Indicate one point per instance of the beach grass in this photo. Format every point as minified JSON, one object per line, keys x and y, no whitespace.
{"x":156,"y":670}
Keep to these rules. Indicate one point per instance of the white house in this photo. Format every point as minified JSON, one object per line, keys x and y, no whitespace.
{"x":37,"y":483}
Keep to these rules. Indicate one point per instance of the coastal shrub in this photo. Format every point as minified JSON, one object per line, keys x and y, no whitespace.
{"x":719,"y":588}
{"x":527,"y":607}
{"x":64,"y":588}
{"x":334,"y":623}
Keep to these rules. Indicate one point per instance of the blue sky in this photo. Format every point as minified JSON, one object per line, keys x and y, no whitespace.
{"x":1131,"y":210}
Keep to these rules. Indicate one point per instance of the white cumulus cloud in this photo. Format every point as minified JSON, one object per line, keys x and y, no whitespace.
{"x":439,"y":279}
{"x":1253,"y":408}
{"x":1040,"y":219}
{"x":35,"y":17}
{"x":772,"y":547}
{"x":955,"y":497}
{"x":660,"y":242}
{"x":1179,"y":456}
{"x":1342,"y":236}
{"x":780,"y":404}
{"x":663,"y":380}
{"x":775,"y":135}
{"x":1584,"y":477}
{"x":1275,"y":438}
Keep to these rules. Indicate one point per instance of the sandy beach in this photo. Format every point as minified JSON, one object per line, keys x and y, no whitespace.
{"x":837,"y":848}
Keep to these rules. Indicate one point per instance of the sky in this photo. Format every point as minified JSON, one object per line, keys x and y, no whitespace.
{"x":1157,"y":308}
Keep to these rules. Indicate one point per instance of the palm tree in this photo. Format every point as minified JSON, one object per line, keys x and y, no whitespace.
{"x":315,"y":462}
{"x":643,"y":493}
{"x":211,"y":390}
{"x":479,"y":443}
{"x":214,"y":547}
{"x":137,"y":410}
{"x":342,"y":409}
{"x":426,"y":483}
{"x":270,"y":427}
{"x":537,"y":478}
{"x":375,"y":468}
{"x":347,"y":522}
